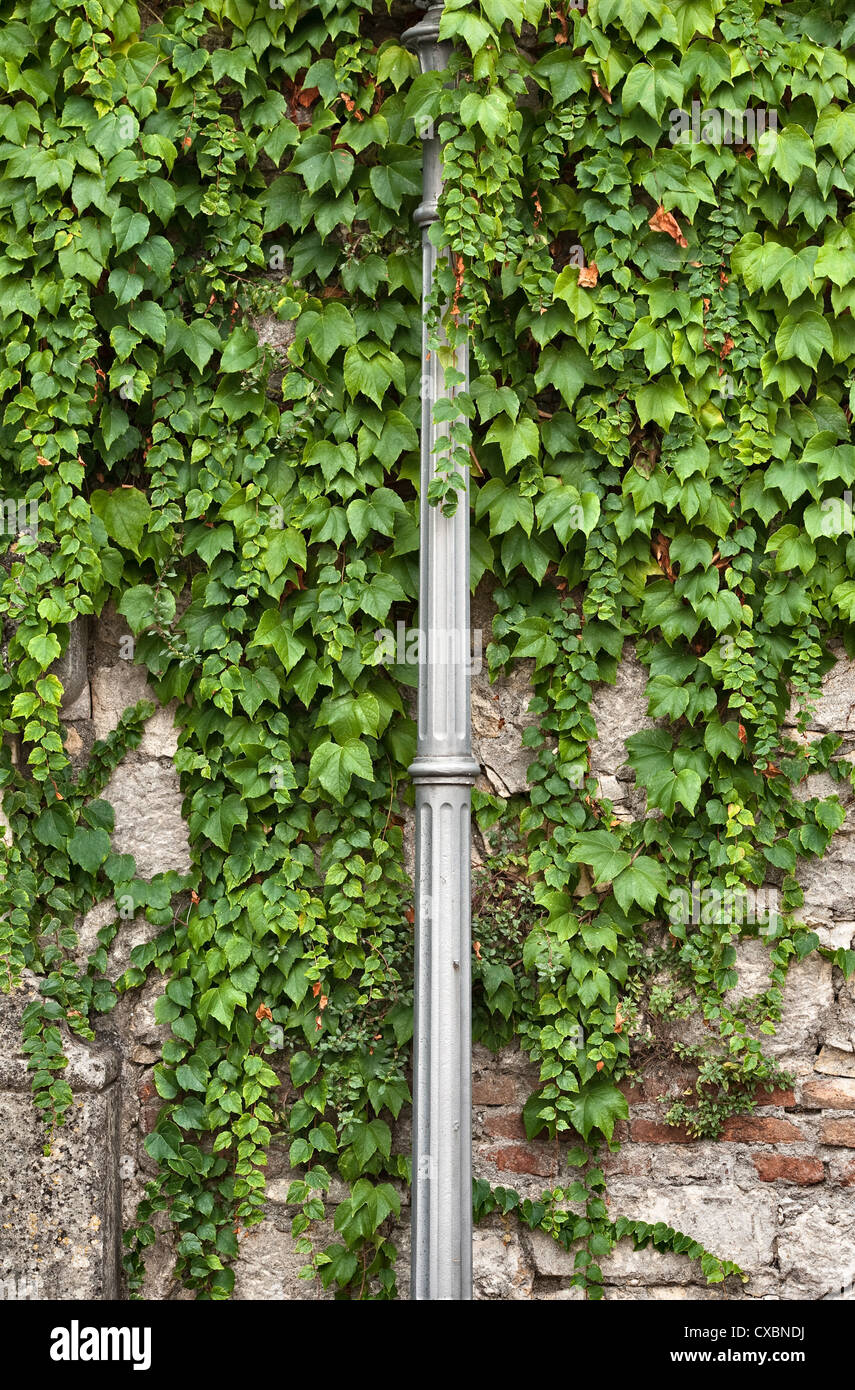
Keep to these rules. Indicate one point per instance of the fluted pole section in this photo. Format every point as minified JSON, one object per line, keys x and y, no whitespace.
{"x":443,"y":772}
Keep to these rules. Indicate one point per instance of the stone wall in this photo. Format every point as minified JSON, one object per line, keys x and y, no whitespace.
{"x":775,"y":1194}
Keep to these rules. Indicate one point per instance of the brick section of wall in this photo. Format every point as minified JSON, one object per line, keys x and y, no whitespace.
{"x":760,"y":1129}
{"x":785,"y":1099}
{"x":784,"y":1168}
{"x":651,"y":1132}
{"x":535,"y":1159}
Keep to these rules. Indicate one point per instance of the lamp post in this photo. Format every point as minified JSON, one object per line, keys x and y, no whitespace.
{"x":443,"y":773}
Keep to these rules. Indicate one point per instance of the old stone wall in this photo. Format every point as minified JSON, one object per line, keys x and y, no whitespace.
{"x":776,"y":1194}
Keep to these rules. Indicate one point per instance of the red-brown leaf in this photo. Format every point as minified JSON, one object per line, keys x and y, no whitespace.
{"x":666,"y":222}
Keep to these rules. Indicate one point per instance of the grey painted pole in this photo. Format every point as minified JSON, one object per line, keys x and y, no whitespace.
{"x":443,"y":772}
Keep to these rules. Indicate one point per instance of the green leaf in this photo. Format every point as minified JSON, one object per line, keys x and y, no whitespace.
{"x":787,"y":151}
{"x":642,"y":882}
{"x":137,"y":605}
{"x":505,"y":506}
{"x":668,"y":789}
{"x":392,"y":182}
{"x":568,"y":369}
{"x":284,"y":547}
{"x":303,"y":1067}
{"x":124,"y":285}
{"x":89,"y":849}
{"x":221,"y":1003}
{"x":793,"y":549}
{"x":370,"y":373}
{"x":129,"y":228}
{"x":723,"y":739}
{"x":125,"y":513}
{"x":602,"y":852}
{"x":517,"y":439}
{"x":599,"y":1105}
{"x":327,"y":330}
{"x":653,"y":86}
{"x":804,"y":336}
{"x":222,"y":820}
{"x":241,"y":351}
{"x":274,"y":631}
{"x":490,"y":112}
{"x":54,"y":825}
{"x":837,"y":129}
{"x":661,"y":400}
{"x":398,"y":435}
{"x":319,"y":165}
{"x":568,"y":512}
{"x":335,"y":765}
{"x":44,"y":648}
{"x":653,"y":342}
{"x":149,"y":319}
{"x":199,"y":339}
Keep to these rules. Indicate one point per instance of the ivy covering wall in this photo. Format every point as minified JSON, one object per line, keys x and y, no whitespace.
{"x":659,"y":432}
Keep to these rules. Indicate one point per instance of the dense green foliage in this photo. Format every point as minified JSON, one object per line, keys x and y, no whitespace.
{"x":658,"y":419}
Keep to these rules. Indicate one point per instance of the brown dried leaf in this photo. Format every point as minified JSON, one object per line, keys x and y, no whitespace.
{"x":661,"y":547}
{"x":603,"y":90}
{"x":666,"y":222}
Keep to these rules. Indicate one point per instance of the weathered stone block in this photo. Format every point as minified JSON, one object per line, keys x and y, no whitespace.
{"x":547,"y":1256}
{"x":499,"y":716}
{"x":829,"y":883}
{"x":838,"y":1094}
{"x":661,"y":1293}
{"x":60,"y":1213}
{"x":717,"y":1214}
{"x":835,"y":708}
{"x":620,"y":710}
{"x":840,"y":1133}
{"x":816,"y":1250}
{"x":499,"y":1266}
{"x":504,"y":1124}
{"x":841,"y":1169}
{"x":147,"y":801}
{"x":785,"y":1099}
{"x":268,"y":1266}
{"x":114,"y":689}
{"x":807,"y":993}
{"x":835,"y":1061}
{"x":702,"y":1160}
{"x":573,"y":1294}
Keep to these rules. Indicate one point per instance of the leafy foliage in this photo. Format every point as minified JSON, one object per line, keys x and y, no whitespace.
{"x":659,"y":428}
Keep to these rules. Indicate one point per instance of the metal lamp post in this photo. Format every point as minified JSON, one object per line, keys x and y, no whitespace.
{"x":443,"y":773}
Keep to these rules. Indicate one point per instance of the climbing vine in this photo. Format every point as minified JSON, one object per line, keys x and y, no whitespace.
{"x":211,"y":381}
